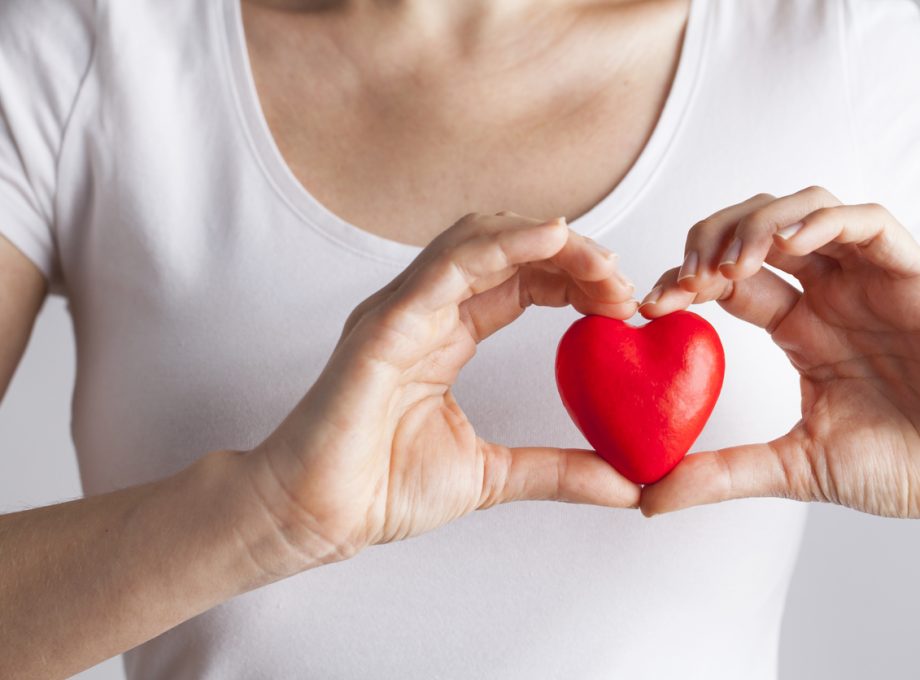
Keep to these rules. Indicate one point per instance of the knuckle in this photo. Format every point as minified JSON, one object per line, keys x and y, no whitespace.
{"x":701,"y":229}
{"x":804,"y":478}
{"x":822,"y":214}
{"x":562,"y":472}
{"x":757,"y":220}
{"x":816,"y":191}
{"x":763,"y":196}
{"x":795,"y":482}
{"x":439,"y":265}
{"x":361,"y":310}
{"x":391,"y":334}
{"x":725,"y":473}
{"x":456,"y":267}
{"x":711,"y":288}
{"x":468,"y":219}
{"x":879,"y":210}
{"x":388,"y":315}
{"x":444,"y":257}
{"x":819,"y":196}
{"x":495,"y":475}
{"x":499,"y":242}
{"x":448,"y":263}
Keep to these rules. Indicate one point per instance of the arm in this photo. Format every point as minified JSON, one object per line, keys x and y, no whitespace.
{"x":376,"y":451}
{"x":22,"y":293}
{"x":84,"y":580}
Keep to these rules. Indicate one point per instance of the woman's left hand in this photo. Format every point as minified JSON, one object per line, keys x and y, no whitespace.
{"x":853,"y":334}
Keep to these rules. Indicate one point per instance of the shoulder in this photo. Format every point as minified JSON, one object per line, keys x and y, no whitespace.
{"x":45,"y":48}
{"x":20,"y":15}
{"x":46,"y":29}
{"x":39,"y":35}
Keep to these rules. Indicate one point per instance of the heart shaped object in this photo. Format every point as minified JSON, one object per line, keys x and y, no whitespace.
{"x":640,"y":395}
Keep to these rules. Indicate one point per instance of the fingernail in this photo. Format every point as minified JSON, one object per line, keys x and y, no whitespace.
{"x":653,"y":296}
{"x":733,"y":253}
{"x":787,"y":233}
{"x":688,"y":268}
{"x":551,"y":227}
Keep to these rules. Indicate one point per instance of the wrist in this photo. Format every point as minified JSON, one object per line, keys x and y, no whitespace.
{"x":212,"y":499}
{"x":276,"y":535}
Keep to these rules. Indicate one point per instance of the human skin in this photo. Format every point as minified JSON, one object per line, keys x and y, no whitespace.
{"x":852,"y":332}
{"x":376,"y":451}
{"x":94,"y":577}
{"x":422,"y":116}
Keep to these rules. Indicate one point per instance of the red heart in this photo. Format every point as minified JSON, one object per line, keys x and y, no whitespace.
{"x":640,"y":396}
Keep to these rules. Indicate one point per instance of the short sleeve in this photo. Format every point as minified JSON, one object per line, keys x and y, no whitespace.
{"x":45,"y":50}
{"x":883,"y":50}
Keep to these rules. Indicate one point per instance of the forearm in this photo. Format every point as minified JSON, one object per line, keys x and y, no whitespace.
{"x":85,"y":580}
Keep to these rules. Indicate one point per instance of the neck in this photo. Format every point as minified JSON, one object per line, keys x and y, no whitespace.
{"x":439,"y":19}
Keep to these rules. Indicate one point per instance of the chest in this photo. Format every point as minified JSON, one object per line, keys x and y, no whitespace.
{"x":404,"y":152}
{"x":200,"y":281}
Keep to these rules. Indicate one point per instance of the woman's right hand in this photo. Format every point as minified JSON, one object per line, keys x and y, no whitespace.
{"x":378,"y":449}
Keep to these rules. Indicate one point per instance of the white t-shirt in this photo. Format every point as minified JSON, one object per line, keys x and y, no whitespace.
{"x":207,"y":289}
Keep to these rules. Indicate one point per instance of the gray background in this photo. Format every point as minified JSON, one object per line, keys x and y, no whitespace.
{"x":853,"y":608}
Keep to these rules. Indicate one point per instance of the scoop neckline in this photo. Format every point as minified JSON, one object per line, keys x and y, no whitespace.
{"x":599,"y":219}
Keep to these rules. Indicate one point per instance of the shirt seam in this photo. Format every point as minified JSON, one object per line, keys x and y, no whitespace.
{"x":65,"y":132}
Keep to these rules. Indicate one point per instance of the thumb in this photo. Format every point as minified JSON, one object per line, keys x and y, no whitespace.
{"x":775,"y":469}
{"x":546,"y":473}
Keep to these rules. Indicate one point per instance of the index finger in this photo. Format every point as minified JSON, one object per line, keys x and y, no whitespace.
{"x":482,"y":261}
{"x":866,"y":231}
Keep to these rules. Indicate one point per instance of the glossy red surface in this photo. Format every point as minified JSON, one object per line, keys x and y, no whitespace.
{"x":640,"y":395}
